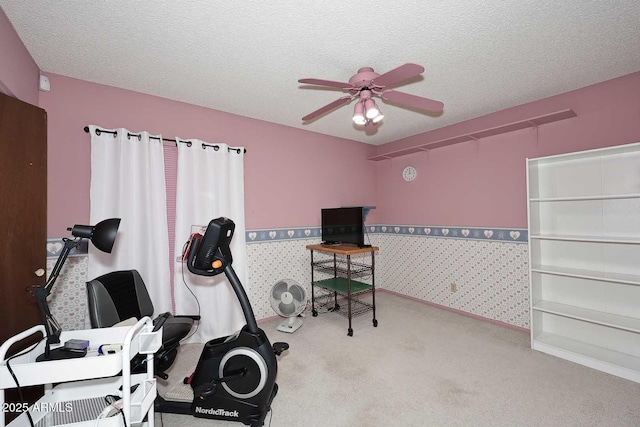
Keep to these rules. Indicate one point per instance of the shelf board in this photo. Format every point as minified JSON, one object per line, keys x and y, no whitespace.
{"x":483,"y":133}
{"x":339,"y":267}
{"x":592,"y":316}
{"x":603,"y":276}
{"x":605,"y":152}
{"x":343,"y":249}
{"x":358,"y":306}
{"x":613,"y":362}
{"x":586,"y":198}
{"x":340,"y":284}
{"x":593,"y":239}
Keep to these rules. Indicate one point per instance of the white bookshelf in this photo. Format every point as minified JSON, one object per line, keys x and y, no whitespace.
{"x":584,"y":257}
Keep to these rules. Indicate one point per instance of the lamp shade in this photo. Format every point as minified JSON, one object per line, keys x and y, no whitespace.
{"x":102,"y":235}
{"x":379,"y":117}
{"x":371,"y":109}
{"x":358,"y":114}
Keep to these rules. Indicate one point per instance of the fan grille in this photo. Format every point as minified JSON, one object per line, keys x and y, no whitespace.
{"x":288,"y":298}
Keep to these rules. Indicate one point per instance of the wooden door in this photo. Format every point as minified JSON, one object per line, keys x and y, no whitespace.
{"x":23,"y":212}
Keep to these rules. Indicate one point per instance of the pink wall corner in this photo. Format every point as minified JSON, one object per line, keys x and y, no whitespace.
{"x":483,"y":183}
{"x":290,"y":174}
{"x":18,"y":71}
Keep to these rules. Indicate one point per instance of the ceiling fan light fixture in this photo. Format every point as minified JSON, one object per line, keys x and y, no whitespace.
{"x":371,"y":109}
{"x":366,"y":84}
{"x":358,"y":114}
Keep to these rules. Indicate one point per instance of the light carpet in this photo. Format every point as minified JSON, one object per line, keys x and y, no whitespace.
{"x":424,"y":366}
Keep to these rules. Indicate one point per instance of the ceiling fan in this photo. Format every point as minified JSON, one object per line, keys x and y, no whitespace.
{"x":366,"y":84}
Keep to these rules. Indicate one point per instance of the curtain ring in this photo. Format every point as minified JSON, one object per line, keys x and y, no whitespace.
{"x":216,"y":147}
{"x":115,"y":134}
{"x":98,"y":132}
{"x":238,"y":151}
{"x":189,"y":144}
{"x":139,"y":137}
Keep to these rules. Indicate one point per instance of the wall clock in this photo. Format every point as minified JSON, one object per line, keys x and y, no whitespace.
{"x":409,"y":173}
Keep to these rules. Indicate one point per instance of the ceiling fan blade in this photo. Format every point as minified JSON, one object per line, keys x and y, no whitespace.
{"x":329,"y":83}
{"x":399,"y":74}
{"x":412,"y":100}
{"x":335,"y":104}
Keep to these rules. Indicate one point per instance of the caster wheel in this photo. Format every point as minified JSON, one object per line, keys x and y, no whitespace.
{"x":314,"y":313}
{"x":375,"y":323}
{"x":350,"y":332}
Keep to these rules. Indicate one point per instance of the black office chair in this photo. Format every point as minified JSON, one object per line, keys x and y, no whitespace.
{"x":121,"y":295}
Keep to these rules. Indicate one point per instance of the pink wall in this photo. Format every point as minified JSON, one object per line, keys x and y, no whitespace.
{"x":18,"y":71}
{"x":483,"y":183}
{"x":289,"y":173}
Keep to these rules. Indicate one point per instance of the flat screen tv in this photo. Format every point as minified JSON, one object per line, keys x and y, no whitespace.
{"x":343,"y":225}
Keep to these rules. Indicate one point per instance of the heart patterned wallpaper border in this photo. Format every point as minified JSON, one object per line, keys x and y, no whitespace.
{"x":517,"y":235}
{"x":514,"y":235}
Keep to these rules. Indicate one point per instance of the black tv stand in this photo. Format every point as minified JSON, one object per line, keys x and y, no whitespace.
{"x":334,"y":274}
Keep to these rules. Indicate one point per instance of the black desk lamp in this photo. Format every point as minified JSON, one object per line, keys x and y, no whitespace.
{"x":102,"y":235}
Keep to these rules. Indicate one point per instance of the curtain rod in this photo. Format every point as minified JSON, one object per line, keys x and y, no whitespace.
{"x":204,"y":145}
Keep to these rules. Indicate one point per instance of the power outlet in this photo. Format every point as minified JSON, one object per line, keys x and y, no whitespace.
{"x":454,"y":287}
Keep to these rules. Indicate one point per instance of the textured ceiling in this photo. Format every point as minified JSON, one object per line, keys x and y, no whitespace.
{"x":246,"y":57}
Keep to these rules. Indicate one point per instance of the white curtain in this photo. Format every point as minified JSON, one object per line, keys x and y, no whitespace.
{"x":210,"y":185}
{"x":127,"y":182}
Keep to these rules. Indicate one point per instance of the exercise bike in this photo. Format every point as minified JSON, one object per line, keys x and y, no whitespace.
{"x":235,"y":376}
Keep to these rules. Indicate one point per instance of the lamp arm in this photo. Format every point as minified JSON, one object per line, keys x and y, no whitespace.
{"x":68,"y":246}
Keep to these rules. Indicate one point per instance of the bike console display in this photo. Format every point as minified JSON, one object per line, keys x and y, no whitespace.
{"x":210,"y":254}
